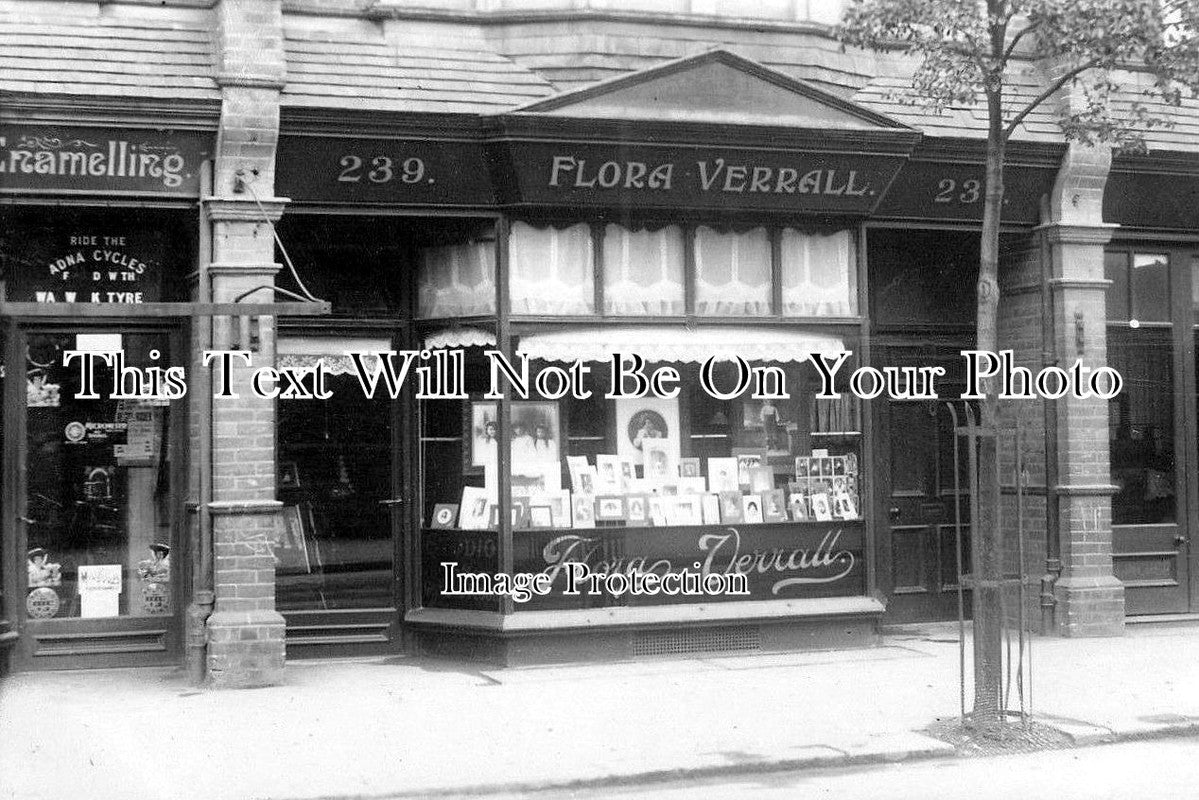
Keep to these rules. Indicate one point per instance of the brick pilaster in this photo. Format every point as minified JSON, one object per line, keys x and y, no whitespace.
{"x":1090,"y":600}
{"x":245,"y":632}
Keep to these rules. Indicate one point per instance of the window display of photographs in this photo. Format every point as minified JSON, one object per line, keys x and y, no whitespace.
{"x":722,"y":475}
{"x":536,"y":433}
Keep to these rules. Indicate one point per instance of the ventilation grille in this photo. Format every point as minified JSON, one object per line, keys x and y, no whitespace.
{"x":701,"y":640}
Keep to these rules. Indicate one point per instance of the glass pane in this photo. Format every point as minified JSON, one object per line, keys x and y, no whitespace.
{"x":1141,"y":427}
{"x":552,"y":270}
{"x":923,"y":277}
{"x":98,"y":483}
{"x":335,"y":469}
{"x":1151,"y":287}
{"x":643,"y":271}
{"x":732,"y":272}
{"x":818,"y":274}
{"x":1115,"y":269}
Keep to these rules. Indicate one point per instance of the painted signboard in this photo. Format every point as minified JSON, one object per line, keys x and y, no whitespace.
{"x":48,"y":158}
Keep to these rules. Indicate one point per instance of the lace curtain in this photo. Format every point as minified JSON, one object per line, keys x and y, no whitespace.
{"x":643,"y":271}
{"x":552,"y":270}
{"x":457,"y":280}
{"x":819,"y":274}
{"x":732,"y":272}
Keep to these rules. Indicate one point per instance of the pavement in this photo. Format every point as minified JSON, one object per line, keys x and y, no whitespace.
{"x":412,"y":727}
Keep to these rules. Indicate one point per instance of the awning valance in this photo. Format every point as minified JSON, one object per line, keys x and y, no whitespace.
{"x":305,"y":351}
{"x":459,"y":337}
{"x":692,"y":345}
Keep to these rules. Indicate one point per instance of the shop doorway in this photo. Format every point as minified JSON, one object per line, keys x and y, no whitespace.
{"x":92,"y":497}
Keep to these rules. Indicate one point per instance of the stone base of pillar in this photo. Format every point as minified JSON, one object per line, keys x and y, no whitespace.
{"x":245,"y":649}
{"x":1089,"y":606}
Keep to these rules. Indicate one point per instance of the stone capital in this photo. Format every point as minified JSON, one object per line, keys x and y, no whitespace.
{"x":244,"y":208}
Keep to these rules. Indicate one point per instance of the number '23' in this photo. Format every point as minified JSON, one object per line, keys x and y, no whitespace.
{"x":947,"y":191}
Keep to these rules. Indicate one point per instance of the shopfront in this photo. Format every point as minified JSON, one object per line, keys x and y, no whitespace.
{"x":94,"y":521}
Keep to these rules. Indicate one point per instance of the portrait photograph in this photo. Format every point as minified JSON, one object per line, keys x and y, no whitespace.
{"x":638,"y":420}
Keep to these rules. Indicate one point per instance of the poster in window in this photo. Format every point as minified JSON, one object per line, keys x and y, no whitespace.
{"x":640,"y":420}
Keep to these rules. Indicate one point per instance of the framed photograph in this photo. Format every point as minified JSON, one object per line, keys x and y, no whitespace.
{"x":722,"y":475}
{"x":532,"y":477}
{"x":851,"y":464}
{"x":798,"y":506}
{"x":536,"y":433}
{"x":761,"y":479}
{"x":820,"y":507}
{"x":844,"y":507}
{"x":801,"y":466}
{"x":774,"y":507}
{"x":751,"y":508}
{"x":689,"y":468}
{"x":608,"y":479}
{"x":747,"y":458}
{"x":767,"y":420}
{"x":473,"y":510}
{"x":582,"y":509}
{"x":710,"y":508}
{"x":445,"y":515}
{"x":558,"y":503}
{"x":289,"y":475}
{"x":583,"y":480}
{"x":685,"y":510}
{"x":838,"y":465}
{"x":518,"y":508}
{"x":657,"y":510}
{"x":661,"y":460}
{"x":540,"y":517}
{"x":637,"y":509}
{"x":643,"y":419}
{"x":730,"y":508}
{"x":628,"y":475}
{"x":692,"y":486}
{"x":610,"y":508}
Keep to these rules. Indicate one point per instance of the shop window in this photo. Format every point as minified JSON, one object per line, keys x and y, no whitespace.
{"x":923,"y":277}
{"x":457,"y":280}
{"x":552,"y":270}
{"x":335,"y":478}
{"x":643,"y":271}
{"x":1140,"y":288}
{"x":1141,"y":426}
{"x":1115,"y":269}
{"x":98,"y":484}
{"x":732,"y":272}
{"x":819,"y":274}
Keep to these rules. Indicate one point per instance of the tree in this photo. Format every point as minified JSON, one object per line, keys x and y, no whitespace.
{"x":967,"y":51}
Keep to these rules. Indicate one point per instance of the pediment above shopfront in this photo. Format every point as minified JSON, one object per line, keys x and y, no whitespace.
{"x":715,"y":88}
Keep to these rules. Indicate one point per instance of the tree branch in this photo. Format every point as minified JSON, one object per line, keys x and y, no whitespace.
{"x":1011,"y":48}
{"x":1068,"y":76}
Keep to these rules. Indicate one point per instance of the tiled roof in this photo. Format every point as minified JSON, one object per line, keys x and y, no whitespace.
{"x":111,"y":51}
{"x":408,"y":67}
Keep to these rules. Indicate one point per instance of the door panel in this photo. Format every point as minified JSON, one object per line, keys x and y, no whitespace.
{"x":95,"y":509}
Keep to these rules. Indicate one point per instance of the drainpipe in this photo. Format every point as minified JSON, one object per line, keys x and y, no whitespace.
{"x":1053,"y":559}
{"x":203,"y":597}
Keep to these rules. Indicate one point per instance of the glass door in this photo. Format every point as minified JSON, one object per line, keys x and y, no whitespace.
{"x":95,"y":479}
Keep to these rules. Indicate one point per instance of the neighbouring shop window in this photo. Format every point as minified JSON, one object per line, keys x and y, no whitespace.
{"x":552,"y":269}
{"x":336,"y":482}
{"x":643,"y":271}
{"x":98,"y":500}
{"x":1141,"y":417}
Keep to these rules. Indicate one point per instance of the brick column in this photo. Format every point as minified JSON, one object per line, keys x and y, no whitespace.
{"x":245,"y":632}
{"x":1090,"y":600}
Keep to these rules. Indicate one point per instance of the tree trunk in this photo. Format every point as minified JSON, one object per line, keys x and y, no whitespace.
{"x":987,"y":539}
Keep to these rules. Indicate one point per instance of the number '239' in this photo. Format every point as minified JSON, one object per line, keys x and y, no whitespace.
{"x":380,"y":169}
{"x":947,"y":191}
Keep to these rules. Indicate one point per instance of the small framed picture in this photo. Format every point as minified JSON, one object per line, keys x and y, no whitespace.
{"x":710,"y":506}
{"x":851,"y":464}
{"x":519,"y":510}
{"x":730,"y":508}
{"x":609,"y":508}
{"x":695,"y":485}
{"x":798,"y":506}
{"x":826,"y":467}
{"x":815,"y":468}
{"x":541,"y":517}
{"x":801,"y":466}
{"x":686,"y":510}
{"x":722,"y":475}
{"x":608,"y":479}
{"x":838,"y":465}
{"x":747,"y":458}
{"x":289,"y":475}
{"x":445,"y":515}
{"x":473,"y":511}
{"x":559,"y":505}
{"x":844,"y":506}
{"x":582,"y":507}
{"x":583,"y":480}
{"x":657,"y":510}
{"x":761,"y":479}
{"x":774,"y":508}
{"x":751,"y":508}
{"x":660,"y":464}
{"x":637,"y":509}
{"x":689,"y":468}
{"x":628,"y":475}
{"x":820,"y":507}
